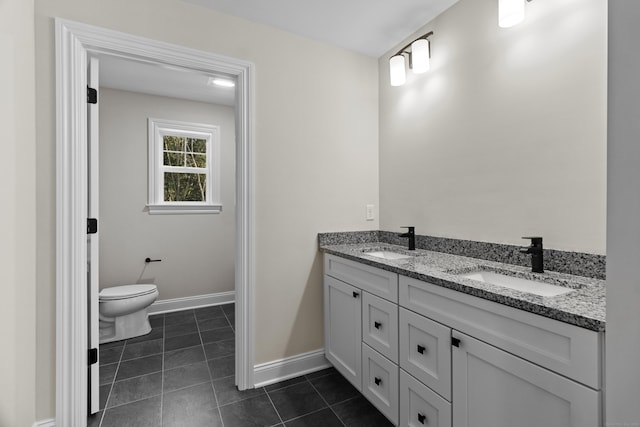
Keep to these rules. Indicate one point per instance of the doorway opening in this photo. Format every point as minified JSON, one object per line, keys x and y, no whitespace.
{"x":75,"y":44}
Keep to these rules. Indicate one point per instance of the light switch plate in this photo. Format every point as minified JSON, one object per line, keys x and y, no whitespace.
{"x":370,"y":213}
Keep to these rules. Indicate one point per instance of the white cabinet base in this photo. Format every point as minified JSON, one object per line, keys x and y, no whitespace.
{"x":391,"y":337}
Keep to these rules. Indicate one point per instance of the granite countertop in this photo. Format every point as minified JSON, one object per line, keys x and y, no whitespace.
{"x":583,"y":307}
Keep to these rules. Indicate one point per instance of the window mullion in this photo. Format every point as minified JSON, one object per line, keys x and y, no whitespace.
{"x":180,"y":169}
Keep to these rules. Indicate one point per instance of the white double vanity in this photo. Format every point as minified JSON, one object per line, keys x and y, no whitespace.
{"x":428,"y":355}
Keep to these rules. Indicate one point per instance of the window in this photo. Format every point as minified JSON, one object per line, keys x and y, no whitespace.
{"x":184,"y":167}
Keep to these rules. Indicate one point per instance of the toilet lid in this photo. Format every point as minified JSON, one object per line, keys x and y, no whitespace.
{"x":126,"y":291}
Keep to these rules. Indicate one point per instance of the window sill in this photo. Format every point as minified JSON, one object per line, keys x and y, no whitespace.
{"x":183,"y":209}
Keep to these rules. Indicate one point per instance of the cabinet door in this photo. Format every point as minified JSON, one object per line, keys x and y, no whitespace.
{"x":380,"y":382}
{"x":420,"y":406}
{"x":425,"y":351}
{"x":343,"y":329}
{"x":492,"y":388}
{"x":380,"y":325}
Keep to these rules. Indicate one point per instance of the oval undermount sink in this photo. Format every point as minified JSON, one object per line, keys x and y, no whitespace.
{"x":388,"y":255}
{"x":525,"y":285}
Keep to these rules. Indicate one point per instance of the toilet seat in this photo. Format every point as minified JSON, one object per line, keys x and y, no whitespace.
{"x":126,"y":291}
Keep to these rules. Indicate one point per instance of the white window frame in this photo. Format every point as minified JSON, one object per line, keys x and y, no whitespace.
{"x":158,"y":128}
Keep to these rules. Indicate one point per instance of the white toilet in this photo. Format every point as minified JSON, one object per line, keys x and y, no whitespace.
{"x":123,"y":311}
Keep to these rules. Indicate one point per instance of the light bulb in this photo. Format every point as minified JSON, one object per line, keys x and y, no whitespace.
{"x":420,"y":56}
{"x":510,"y":12}
{"x":397,"y":73}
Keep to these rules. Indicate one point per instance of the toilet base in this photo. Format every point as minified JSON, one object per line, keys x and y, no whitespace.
{"x":124,"y":327}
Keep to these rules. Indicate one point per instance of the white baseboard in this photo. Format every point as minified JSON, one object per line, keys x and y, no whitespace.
{"x":290,"y":367}
{"x":176,"y":304}
{"x":45,"y":423}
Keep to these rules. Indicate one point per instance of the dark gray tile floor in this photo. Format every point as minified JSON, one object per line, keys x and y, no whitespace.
{"x":182,"y":374}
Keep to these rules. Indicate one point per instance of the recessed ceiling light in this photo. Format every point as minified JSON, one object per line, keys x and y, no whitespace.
{"x":215,"y":81}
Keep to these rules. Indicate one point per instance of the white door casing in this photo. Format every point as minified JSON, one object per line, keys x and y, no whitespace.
{"x":74,"y":43}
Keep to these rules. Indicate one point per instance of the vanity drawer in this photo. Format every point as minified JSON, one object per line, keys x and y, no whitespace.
{"x":373,"y":280}
{"x":563,"y":348}
{"x":380,"y":382}
{"x":380,"y":325}
{"x":420,"y":406}
{"x":425,"y":351}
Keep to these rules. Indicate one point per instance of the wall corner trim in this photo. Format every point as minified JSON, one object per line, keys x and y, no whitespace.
{"x":45,"y":423}
{"x":289,"y":367}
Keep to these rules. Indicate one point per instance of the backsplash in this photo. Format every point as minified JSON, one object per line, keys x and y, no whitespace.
{"x":577,"y":263}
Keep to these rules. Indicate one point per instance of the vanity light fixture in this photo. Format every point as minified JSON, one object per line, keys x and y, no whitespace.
{"x":510,"y":12}
{"x":418,"y":51}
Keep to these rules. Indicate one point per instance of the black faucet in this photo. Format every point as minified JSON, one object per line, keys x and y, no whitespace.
{"x":411,"y":234}
{"x":537,"y":263}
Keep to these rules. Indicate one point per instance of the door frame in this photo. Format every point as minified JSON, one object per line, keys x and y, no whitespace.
{"x":74,"y":41}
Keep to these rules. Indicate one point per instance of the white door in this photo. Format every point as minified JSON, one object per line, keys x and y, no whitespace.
{"x":343,"y":329}
{"x":492,"y":388}
{"x":92,"y":239}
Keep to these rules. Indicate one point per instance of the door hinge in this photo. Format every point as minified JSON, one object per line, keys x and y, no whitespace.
{"x":92,"y":95}
{"x":92,"y":225}
{"x":93,"y":356}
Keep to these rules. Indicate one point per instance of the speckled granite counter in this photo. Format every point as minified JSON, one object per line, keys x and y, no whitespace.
{"x":583,"y":307}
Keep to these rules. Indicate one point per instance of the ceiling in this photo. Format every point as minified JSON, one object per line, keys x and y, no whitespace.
{"x":155,"y":79}
{"x":371,"y":27}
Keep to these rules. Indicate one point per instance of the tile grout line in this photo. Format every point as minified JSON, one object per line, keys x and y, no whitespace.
{"x":136,"y":400}
{"x":162,"y":373}
{"x":206,"y":361}
{"x":241,"y":399}
{"x":310,"y":413}
{"x":274,"y":408}
{"x":228,"y":321}
{"x":141,"y":375}
{"x":113,"y":382}
{"x":325,"y":401}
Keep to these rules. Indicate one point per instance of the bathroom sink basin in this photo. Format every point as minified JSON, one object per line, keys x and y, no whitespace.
{"x":388,"y":255}
{"x":525,"y":285}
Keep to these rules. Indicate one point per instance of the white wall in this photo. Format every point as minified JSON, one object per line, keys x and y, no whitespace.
{"x":316,"y":160}
{"x":506,"y":135}
{"x":197,"y":250}
{"x":18,"y":214}
{"x":623,"y":216}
